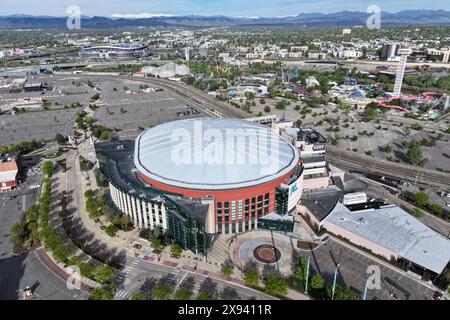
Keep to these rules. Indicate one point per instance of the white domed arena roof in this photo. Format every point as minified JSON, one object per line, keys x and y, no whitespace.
{"x":213,"y":154}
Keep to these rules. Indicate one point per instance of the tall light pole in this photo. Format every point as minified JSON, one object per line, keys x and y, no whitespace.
{"x":307,"y":275}
{"x":334,"y":282}
{"x":366,"y":289}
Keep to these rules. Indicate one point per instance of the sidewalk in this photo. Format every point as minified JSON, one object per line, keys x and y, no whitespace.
{"x":292,"y":294}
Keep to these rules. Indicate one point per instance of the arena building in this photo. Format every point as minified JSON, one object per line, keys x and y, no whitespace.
{"x":115,"y":51}
{"x":237,"y":163}
{"x":199,"y":178}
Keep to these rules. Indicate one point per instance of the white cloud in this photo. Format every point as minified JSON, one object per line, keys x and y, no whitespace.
{"x":144,"y":15}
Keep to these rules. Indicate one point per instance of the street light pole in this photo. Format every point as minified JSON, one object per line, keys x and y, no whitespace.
{"x":307,"y":275}
{"x":334,"y":282}
{"x":366,"y":289}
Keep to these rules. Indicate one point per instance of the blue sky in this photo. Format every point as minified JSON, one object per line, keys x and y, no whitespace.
{"x":234,"y":8}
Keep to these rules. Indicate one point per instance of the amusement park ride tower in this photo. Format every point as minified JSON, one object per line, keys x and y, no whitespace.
{"x":404,"y":51}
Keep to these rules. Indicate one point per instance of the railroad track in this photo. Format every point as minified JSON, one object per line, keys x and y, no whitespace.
{"x":388,"y":169}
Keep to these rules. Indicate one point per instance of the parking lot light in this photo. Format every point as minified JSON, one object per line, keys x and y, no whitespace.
{"x":334,"y":282}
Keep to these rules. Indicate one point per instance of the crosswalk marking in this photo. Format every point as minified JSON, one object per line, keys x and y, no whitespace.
{"x":121,"y":294}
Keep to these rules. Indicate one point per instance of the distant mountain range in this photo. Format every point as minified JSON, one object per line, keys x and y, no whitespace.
{"x":338,"y":19}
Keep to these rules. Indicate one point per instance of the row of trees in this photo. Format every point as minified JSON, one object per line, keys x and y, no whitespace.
{"x":85,"y":121}
{"x":275,"y":286}
{"x":95,"y":205}
{"x":25,"y":234}
{"x":48,"y":235}
{"x":164,"y":292}
{"x":422,"y":200}
{"x":23,"y":147}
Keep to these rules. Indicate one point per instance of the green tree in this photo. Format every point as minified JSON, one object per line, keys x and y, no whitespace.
{"x":104,"y":274}
{"x":251,"y":277}
{"x":138,"y":296}
{"x":89,"y":194}
{"x":73,"y":261}
{"x":227,"y":271}
{"x":299,"y":274}
{"x":60,"y":139}
{"x":281,"y":105}
{"x":183,"y":294}
{"x":414,"y":153}
{"x":370,"y":112}
{"x":421,"y":199}
{"x":205,"y":296}
{"x":111,"y":230}
{"x":156,"y":245}
{"x":388,"y":148}
{"x":266,"y":109}
{"x":345,"y":294}
{"x":276,"y":286}
{"x":87,"y":270}
{"x":47,"y":168}
{"x":317,"y":282}
{"x":161,"y":292}
{"x":416,"y":212}
{"x":437,"y":209}
{"x":102,"y":294}
{"x":20,"y":234}
{"x":249,"y":95}
{"x":176,"y":250}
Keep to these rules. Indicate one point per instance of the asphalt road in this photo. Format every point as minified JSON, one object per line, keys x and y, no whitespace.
{"x":143,"y":276}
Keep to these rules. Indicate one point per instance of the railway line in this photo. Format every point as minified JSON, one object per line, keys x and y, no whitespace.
{"x":388,"y":169}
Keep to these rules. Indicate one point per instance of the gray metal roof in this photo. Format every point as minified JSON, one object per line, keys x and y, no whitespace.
{"x":395,"y":229}
{"x":265,"y":156}
{"x":320,"y":202}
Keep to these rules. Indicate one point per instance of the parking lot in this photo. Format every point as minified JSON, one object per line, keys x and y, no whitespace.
{"x":125,"y":106}
{"x":353,"y":272}
{"x":128,"y":108}
{"x":35,"y":125}
{"x":12,"y":207}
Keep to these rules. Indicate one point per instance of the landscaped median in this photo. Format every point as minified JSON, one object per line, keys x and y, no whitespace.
{"x":60,"y":254}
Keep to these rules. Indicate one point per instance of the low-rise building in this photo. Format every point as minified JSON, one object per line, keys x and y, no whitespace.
{"x":392,"y":233}
{"x":9,"y":173}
